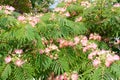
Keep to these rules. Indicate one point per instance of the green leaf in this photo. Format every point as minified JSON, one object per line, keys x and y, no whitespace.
{"x":5,"y":72}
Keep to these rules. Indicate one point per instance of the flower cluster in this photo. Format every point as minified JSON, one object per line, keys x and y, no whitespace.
{"x":78,"y":19}
{"x":87,"y":45}
{"x":116,"y":5}
{"x":60,"y":9}
{"x":50,"y":48}
{"x":95,"y":37}
{"x":70,"y":1}
{"x":67,"y":14}
{"x":17,"y":61}
{"x":103,"y":56}
{"x":7,"y":9}
{"x":33,"y":20}
{"x":64,"y":76}
{"x":85,"y":4}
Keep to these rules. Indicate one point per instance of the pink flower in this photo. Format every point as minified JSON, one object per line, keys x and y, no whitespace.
{"x":21,"y":18}
{"x":85,"y":4}
{"x":78,"y":19}
{"x":67,"y":14}
{"x":107,"y":63}
{"x":32,"y":23}
{"x":19,"y":63}
{"x":93,"y":45}
{"x":51,"y":56}
{"x":116,"y":57}
{"x":76,"y":39}
{"x":63,"y":9}
{"x":102,"y":52}
{"x":7,"y":12}
{"x":0,"y":7}
{"x":110,"y":58}
{"x":84,"y":41}
{"x":8,"y":59}
{"x":70,"y":43}
{"x":18,"y":51}
{"x":53,"y":47}
{"x":85,"y":49}
{"x":41,"y":51}
{"x":74,"y":76}
{"x":10,"y":8}
{"x":47,"y":50}
{"x":96,"y":62}
{"x":57,"y":9}
{"x":61,"y":77}
{"x":90,"y":56}
{"x":116,"y":5}
{"x":56,"y":78}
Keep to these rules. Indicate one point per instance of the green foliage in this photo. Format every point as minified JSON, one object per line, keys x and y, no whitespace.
{"x":5,"y":71}
{"x":40,"y":46}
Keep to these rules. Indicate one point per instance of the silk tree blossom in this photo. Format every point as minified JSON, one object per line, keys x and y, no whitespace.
{"x":95,"y":37}
{"x":116,"y":5}
{"x":85,"y":4}
{"x":47,"y":50}
{"x":33,"y":20}
{"x":85,"y":49}
{"x":0,"y":7}
{"x":18,"y":51}
{"x":53,"y":47}
{"x":92,"y":54}
{"x":96,"y":62}
{"x":93,"y":46}
{"x":10,"y":8}
{"x":78,"y":19}
{"x":102,"y":52}
{"x":61,"y":77}
{"x":84,"y":41}
{"x":8,"y":59}
{"x":21,"y":18}
{"x":63,"y":43}
{"x":70,"y":43}
{"x":116,"y":57}
{"x":7,"y":12}
{"x":41,"y":51}
{"x":76,"y":40}
{"x":59,"y":9}
{"x":19,"y":62}
{"x":74,"y":76}
{"x":67,"y":14}
{"x":70,"y":1}
{"x":109,"y":60}
{"x":105,"y":56}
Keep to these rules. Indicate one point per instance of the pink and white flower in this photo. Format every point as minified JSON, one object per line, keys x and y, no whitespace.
{"x":41,"y":51}
{"x":10,"y":8}
{"x":67,"y":14}
{"x":21,"y":18}
{"x":74,"y":76}
{"x":96,"y":62}
{"x":76,"y":40}
{"x":116,"y":57}
{"x":116,"y":5}
{"x":8,"y":59}
{"x":19,"y":63}
{"x":18,"y":51}
{"x":47,"y":50}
